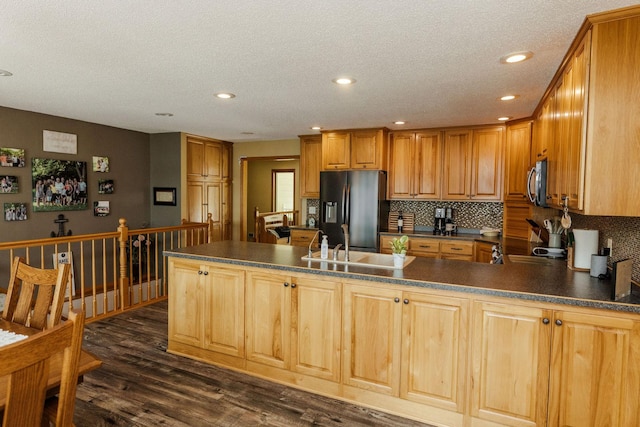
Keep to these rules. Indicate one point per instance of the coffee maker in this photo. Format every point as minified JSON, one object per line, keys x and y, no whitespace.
{"x":439,"y":221}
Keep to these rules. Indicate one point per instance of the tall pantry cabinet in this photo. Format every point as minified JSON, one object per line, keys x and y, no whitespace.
{"x":209,"y":184}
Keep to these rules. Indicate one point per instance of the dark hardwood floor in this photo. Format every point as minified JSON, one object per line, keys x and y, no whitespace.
{"x":140,"y":384}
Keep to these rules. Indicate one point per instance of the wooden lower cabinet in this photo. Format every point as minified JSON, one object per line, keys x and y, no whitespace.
{"x":372,"y":338}
{"x":533,"y":366}
{"x":440,"y":357}
{"x":206,"y":306}
{"x":294,"y":324}
{"x":302,"y":236}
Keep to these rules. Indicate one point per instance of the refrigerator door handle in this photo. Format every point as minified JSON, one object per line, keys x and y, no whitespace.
{"x":344,"y":201}
{"x":346,"y":217}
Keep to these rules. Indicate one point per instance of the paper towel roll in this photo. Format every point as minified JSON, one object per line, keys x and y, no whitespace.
{"x":586,"y":244}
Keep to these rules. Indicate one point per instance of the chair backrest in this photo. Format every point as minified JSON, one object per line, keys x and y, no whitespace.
{"x":27,"y":363}
{"x":35,"y":296}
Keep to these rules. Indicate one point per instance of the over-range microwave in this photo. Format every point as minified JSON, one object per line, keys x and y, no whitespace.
{"x":537,"y":183}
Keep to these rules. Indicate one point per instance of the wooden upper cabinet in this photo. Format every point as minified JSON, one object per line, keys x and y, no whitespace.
{"x":310,"y":165}
{"x":336,"y":148}
{"x":517,"y":161}
{"x":204,"y":158}
{"x":457,"y":165}
{"x":415,"y":165}
{"x":590,"y":113}
{"x":354,"y":149}
{"x":487,"y":164}
{"x":473,"y":164}
{"x":367,"y":149}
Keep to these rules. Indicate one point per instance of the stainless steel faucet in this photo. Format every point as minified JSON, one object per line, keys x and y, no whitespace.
{"x":336,"y":251}
{"x":311,"y":243}
{"x":345,"y":230}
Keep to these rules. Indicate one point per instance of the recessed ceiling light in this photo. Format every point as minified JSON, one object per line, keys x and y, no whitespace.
{"x":225,"y":95}
{"x":399,"y":122}
{"x":512,"y":58}
{"x":4,"y":73}
{"x":504,"y":119}
{"x":344,"y":81}
{"x":164,"y":114}
{"x":509,"y":97}
{"x":316,"y":128}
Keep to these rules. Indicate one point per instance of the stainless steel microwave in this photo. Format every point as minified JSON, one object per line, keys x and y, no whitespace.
{"x":537,"y":183}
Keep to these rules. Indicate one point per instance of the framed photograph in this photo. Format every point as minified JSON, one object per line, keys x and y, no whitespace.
{"x":59,"y":185}
{"x":8,"y":184}
{"x":15,"y":211}
{"x":105,"y":186}
{"x":12,"y":157}
{"x":164,"y":196}
{"x":100,"y":164}
{"x":101,"y":208}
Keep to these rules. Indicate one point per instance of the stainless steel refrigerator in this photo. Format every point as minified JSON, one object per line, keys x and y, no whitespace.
{"x":355,"y":198}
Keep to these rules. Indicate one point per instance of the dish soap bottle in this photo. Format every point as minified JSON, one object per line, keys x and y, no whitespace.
{"x":324,"y":248}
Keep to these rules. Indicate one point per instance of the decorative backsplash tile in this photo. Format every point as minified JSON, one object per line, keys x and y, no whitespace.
{"x":473,"y":215}
{"x":625,"y":233}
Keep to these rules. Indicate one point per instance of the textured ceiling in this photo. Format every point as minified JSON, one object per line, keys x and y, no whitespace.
{"x":430,"y":62}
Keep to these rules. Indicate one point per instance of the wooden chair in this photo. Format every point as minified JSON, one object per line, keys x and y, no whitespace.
{"x":26,"y":363}
{"x":35,"y":295}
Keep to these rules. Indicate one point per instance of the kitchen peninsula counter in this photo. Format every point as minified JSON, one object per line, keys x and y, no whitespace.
{"x":553,"y":283}
{"x":445,"y":342}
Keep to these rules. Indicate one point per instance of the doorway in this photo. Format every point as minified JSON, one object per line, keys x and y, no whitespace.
{"x":258,"y":188}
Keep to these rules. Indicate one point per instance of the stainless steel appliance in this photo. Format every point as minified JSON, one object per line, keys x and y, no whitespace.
{"x":537,"y":183}
{"x":355,"y":198}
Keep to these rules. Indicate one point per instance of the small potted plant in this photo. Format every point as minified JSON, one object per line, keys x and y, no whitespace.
{"x":399,"y":250}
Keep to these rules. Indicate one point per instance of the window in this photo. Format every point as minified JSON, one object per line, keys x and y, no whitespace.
{"x":283,"y":190}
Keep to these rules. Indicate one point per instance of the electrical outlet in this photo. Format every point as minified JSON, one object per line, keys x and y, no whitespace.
{"x":312,"y":210}
{"x":610,"y":246}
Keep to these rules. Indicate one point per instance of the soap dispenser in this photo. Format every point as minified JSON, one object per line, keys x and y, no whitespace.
{"x":324,"y":248}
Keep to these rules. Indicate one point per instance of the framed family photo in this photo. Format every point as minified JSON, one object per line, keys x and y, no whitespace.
{"x":15,"y":211}
{"x":12,"y":157}
{"x":9,"y":184}
{"x":59,"y":185}
{"x":100,"y":164}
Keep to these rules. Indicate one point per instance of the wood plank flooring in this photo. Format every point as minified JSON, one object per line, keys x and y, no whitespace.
{"x":140,"y":384}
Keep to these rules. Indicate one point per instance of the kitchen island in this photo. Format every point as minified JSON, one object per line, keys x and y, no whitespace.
{"x":442,"y":341}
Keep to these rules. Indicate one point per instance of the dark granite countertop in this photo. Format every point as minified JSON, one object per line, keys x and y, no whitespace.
{"x":553,"y":283}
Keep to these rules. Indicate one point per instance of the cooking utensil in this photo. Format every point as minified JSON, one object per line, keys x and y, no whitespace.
{"x":566,"y":219}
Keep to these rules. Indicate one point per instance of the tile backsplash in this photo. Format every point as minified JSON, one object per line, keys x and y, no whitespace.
{"x":474,"y":215}
{"x":625,"y":233}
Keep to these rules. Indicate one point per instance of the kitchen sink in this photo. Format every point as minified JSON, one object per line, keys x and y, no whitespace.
{"x":362,"y":259}
{"x":529,"y":259}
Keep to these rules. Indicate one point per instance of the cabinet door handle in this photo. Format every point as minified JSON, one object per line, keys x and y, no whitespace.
{"x":293,"y":285}
{"x":199,"y":271}
{"x":558,"y":322}
{"x":545,"y":321}
{"x":286,"y":284}
{"x":396,"y":299}
{"x":456,"y":249}
{"x":406,"y":301}
{"x":206,"y":273}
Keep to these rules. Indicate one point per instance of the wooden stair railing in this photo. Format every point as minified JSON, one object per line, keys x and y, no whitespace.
{"x":113,"y":271}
